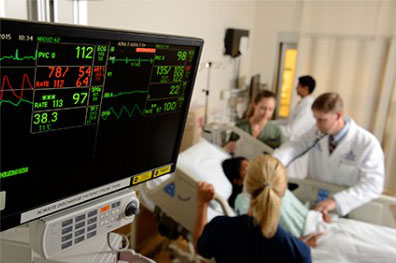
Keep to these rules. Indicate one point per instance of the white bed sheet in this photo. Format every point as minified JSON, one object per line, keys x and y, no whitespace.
{"x":348,"y":240}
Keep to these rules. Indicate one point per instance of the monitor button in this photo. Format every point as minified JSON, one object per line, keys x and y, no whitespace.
{"x":91,"y":227}
{"x":79,"y":232}
{"x":67,"y":230}
{"x":91,"y":234}
{"x":67,"y":237}
{"x":92,"y":220}
{"x":66,"y":245}
{"x":67,"y":222}
{"x":92,"y":213}
{"x":79,"y":239}
{"x":79,"y":218}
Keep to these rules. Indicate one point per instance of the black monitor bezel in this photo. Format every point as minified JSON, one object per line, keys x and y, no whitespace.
{"x":89,"y":32}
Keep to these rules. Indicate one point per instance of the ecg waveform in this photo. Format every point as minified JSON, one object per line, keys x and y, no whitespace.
{"x":111,"y":111}
{"x":6,"y":81}
{"x":128,"y":60}
{"x":112,"y":95}
{"x":16,"y":56}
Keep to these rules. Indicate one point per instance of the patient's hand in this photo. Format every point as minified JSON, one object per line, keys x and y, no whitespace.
{"x":230,"y":147}
{"x":206,"y":192}
{"x":324,"y":207}
{"x":326,"y":217}
{"x":312,"y":239}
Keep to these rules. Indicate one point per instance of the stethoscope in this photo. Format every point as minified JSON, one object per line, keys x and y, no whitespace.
{"x":319,"y":136}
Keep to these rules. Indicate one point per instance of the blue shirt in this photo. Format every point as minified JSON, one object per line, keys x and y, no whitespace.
{"x":341,"y":134}
{"x":238,"y":239}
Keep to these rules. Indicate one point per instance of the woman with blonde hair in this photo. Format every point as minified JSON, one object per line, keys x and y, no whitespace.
{"x":257,"y":236}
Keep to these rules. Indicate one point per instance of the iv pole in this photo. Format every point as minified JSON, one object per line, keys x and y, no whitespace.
{"x":208,"y":65}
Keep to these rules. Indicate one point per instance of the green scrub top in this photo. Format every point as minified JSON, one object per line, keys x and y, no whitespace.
{"x":271,"y":134}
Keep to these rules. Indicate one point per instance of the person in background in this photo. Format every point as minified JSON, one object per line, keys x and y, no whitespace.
{"x":258,"y":122}
{"x":301,"y":118}
{"x":255,"y":237}
{"x":235,"y":170}
{"x":339,"y":152}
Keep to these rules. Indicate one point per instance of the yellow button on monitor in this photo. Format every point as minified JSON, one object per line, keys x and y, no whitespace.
{"x":162,"y":170}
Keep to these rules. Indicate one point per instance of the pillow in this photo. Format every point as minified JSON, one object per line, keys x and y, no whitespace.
{"x":202,"y":161}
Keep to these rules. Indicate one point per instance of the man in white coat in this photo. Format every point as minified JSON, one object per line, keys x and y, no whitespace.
{"x":339,"y":152}
{"x":299,"y":122}
{"x":301,"y":117}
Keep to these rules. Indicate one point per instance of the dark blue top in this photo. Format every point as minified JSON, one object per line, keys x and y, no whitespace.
{"x":238,"y":239}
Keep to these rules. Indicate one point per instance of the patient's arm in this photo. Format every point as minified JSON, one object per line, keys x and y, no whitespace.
{"x":206,"y":193}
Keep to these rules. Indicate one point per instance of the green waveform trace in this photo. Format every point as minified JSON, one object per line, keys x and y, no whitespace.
{"x":110,"y":94}
{"x":128,"y":60}
{"x":106,"y":114}
{"x":15,"y":104}
{"x":16,"y":56}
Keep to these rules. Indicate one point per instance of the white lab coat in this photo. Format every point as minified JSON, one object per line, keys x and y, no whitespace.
{"x":357,"y":162}
{"x":301,"y":119}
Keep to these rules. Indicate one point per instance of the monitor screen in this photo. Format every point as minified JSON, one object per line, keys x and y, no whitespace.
{"x":87,"y":111}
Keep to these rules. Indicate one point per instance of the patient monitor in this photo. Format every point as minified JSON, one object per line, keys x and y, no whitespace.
{"x":85,"y":115}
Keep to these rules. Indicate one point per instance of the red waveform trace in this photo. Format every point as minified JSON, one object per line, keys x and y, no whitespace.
{"x":6,"y":80}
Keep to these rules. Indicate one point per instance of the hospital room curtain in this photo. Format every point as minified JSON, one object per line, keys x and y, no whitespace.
{"x":362,"y":70}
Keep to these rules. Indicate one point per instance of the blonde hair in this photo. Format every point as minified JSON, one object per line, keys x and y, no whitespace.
{"x":266,"y":182}
{"x":262,"y":94}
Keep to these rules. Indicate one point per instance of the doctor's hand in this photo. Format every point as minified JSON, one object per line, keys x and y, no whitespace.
{"x":206,"y":192}
{"x":325,"y":207}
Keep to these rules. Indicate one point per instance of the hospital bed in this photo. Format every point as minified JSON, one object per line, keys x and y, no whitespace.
{"x":381,"y":211}
{"x":173,"y":199}
{"x":367,"y":234}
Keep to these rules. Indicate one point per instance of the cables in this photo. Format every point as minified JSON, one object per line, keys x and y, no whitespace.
{"x":126,"y":254}
{"x":124,"y":237}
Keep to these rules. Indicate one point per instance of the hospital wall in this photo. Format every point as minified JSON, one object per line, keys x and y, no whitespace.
{"x":271,"y":18}
{"x":360,"y":20}
{"x":15,"y":9}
